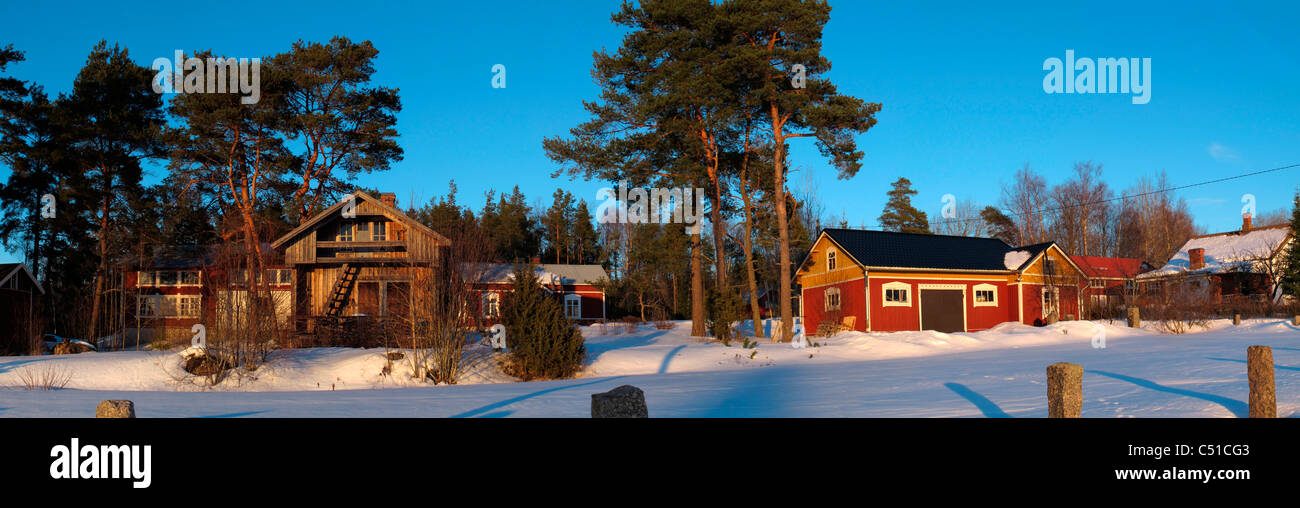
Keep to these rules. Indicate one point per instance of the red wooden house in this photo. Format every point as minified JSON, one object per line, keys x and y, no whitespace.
{"x":182,"y":287}
{"x":888,"y":281}
{"x":1111,"y":281}
{"x":576,"y":287}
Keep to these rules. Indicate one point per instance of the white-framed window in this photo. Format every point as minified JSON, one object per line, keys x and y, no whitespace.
{"x":346,"y":232}
{"x":491,"y":304}
{"x":896,"y":294}
{"x":573,"y":306}
{"x":380,"y":232}
{"x":159,"y":278}
{"x":832,"y":299}
{"x":169,"y":306}
{"x":830,"y":259}
{"x":1049,"y":265}
{"x":1051,"y":300}
{"x":986,"y":295}
{"x":1096,"y":283}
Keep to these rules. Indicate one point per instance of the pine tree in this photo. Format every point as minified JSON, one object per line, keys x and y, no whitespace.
{"x":899,"y":214}
{"x":998,"y":225}
{"x":118,"y":120}
{"x":544,"y":344}
{"x":1291,"y":262}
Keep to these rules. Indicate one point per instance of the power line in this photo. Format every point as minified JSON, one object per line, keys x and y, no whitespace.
{"x":1044,"y":211}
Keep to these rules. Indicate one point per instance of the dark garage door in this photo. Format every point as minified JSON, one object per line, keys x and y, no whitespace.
{"x":941,"y":310}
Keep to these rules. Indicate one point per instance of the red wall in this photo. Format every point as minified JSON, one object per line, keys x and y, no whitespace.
{"x":891,"y":319}
{"x":851,"y":304}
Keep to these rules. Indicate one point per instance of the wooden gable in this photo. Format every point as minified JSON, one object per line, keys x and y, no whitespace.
{"x":1063,"y":269}
{"x":319,"y":240}
{"x":815,"y":269}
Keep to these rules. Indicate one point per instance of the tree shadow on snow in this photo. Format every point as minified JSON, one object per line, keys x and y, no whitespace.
{"x":986,"y":406}
{"x":483,"y":411}
{"x":668,"y":358}
{"x":236,"y":415}
{"x":1275,"y":365}
{"x":595,"y":349}
{"x":8,"y":366}
{"x":1236,"y":407}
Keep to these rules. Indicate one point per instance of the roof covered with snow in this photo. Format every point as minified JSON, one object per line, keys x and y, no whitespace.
{"x":888,"y":249}
{"x":1225,"y":252}
{"x":546,"y":273}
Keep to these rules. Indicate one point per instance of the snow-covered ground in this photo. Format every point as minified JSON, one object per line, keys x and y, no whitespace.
{"x":994,"y":373}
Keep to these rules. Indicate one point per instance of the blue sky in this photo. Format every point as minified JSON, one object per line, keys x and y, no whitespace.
{"x":961,"y":85}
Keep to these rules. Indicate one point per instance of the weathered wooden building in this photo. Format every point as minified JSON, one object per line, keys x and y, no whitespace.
{"x":19,"y":291}
{"x":355,"y":258}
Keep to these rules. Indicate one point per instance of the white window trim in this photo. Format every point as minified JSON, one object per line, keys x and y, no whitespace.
{"x":491,"y":304}
{"x":168,"y":306}
{"x":155,"y":279}
{"x":826,"y":299}
{"x":984,"y":287}
{"x":573,"y":298}
{"x":884,"y":288}
{"x":832,"y":260}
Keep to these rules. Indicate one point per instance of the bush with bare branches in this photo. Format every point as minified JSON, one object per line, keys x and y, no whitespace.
{"x":49,"y":378}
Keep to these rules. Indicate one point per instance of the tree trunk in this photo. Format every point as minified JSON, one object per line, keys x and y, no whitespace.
{"x":747,"y":244}
{"x":95,"y":307}
{"x":782,"y":227}
{"x":719,"y":238}
{"x":697,"y":287}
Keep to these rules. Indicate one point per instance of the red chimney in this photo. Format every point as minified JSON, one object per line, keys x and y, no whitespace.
{"x":1197,"y":258}
{"x":1245,"y":223}
{"x":389,"y":199}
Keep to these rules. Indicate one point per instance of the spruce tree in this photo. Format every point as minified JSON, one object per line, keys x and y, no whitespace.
{"x":1291,"y":262}
{"x":899,"y":214}
{"x":544,"y":344}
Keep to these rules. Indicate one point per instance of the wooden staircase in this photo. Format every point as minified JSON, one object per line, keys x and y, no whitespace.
{"x":338,"y":299}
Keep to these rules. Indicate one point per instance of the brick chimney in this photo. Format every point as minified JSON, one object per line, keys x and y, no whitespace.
{"x":1196,"y":258}
{"x":1245,"y":223}
{"x":389,"y":199}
